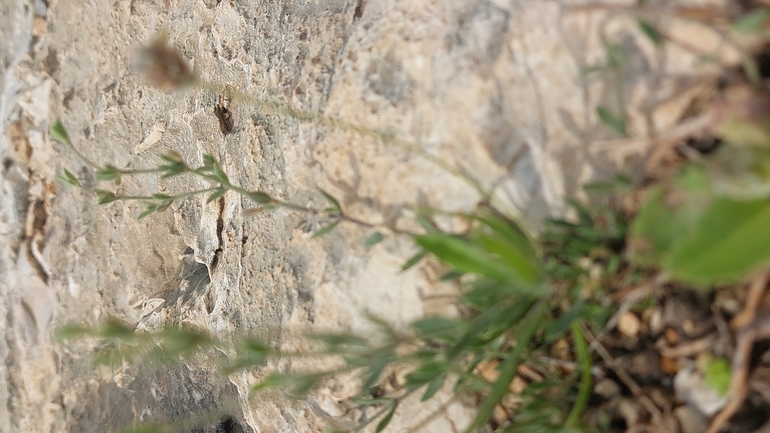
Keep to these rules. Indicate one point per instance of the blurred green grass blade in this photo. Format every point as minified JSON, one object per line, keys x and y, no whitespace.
{"x":324,"y":230}
{"x":414,"y":260}
{"x":652,"y":33}
{"x":583,"y":358}
{"x":507,"y":370}
{"x":611,"y":120}
{"x":385,"y":421}
{"x":374,"y":239}
{"x":464,"y":256}
{"x":433,"y":387}
{"x":59,"y":133}
{"x":752,"y":22}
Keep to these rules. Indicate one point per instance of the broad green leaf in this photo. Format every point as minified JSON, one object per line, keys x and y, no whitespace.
{"x":385,"y":421}
{"x":59,"y":133}
{"x":731,"y":239}
{"x":325,"y":230}
{"x":667,"y":217}
{"x":610,"y":119}
{"x":752,"y":22}
{"x":374,"y":239}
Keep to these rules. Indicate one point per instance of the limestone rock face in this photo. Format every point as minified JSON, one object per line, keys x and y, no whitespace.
{"x":492,"y":88}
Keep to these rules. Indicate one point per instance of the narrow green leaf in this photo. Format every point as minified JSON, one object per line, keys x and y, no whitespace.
{"x":337,"y":340}
{"x":507,"y":371}
{"x":305,"y":383}
{"x":425,"y":373}
{"x":106,"y":196}
{"x":216,"y":194}
{"x":433,"y":387}
{"x":150,"y":209}
{"x":259,"y":197}
{"x":451,"y":275}
{"x":608,"y":118}
{"x":146,"y":429}
{"x":374,"y":239}
{"x":115,"y":329}
{"x":414,"y":260}
{"x":209,"y":161}
{"x":375,"y":371}
{"x":108,"y":172}
{"x":651,"y":32}
{"x":273,"y":380}
{"x":752,"y":22}
{"x":159,"y":196}
{"x":466,"y":257}
{"x":325,"y":230}
{"x":556,"y":329}
{"x":59,"y":133}
{"x":385,"y":421}
{"x":71,"y":331}
{"x":71,"y":179}
{"x":333,"y":201}
{"x":584,"y":360}
{"x":616,"y":57}
{"x":433,"y":326}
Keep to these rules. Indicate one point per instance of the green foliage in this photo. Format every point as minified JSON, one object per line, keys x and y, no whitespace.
{"x":651,"y":32}
{"x":699,"y":237}
{"x":609,"y":118}
{"x":59,"y":133}
{"x":374,"y":239}
{"x":752,"y":22}
{"x":718,"y":374}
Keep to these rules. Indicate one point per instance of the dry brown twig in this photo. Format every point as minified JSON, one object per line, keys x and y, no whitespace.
{"x":635,"y":389}
{"x":759,"y":328}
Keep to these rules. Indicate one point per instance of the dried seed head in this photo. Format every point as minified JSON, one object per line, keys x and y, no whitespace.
{"x":164,"y":67}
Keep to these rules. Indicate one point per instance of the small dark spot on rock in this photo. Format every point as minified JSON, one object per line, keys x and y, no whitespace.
{"x":229,"y":425}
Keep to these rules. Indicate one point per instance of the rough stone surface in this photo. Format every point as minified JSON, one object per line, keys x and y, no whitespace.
{"x":492,"y":87}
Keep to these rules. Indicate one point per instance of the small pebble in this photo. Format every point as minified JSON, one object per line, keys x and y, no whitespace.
{"x":629,"y":324}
